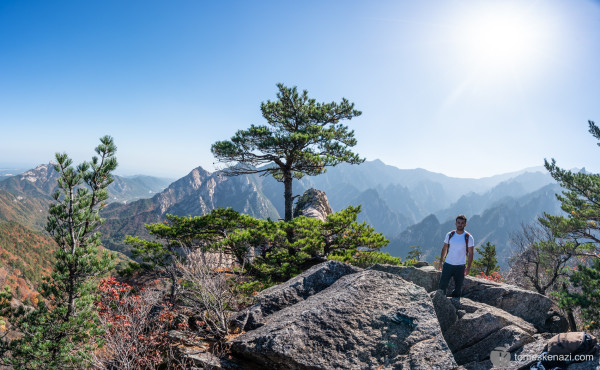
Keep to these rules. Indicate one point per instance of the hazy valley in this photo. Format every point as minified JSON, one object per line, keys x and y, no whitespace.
{"x":410,"y":207}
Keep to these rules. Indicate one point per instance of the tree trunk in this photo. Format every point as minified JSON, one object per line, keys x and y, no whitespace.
{"x":569,"y":311}
{"x":289,"y":208}
{"x":173,"y":288}
{"x":71,"y":302}
{"x":287,"y":195}
{"x":571,"y":319}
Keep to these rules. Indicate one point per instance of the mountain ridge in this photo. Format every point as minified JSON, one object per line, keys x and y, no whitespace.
{"x":201,"y":191}
{"x":195,"y":194}
{"x":392,"y":205}
{"x":41,"y":182}
{"x":496,"y":225}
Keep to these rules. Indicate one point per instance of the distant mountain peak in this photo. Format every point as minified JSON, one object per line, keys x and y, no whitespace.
{"x":41,"y":181}
{"x":431,"y":220}
{"x":42,"y":174}
{"x":201,"y":170}
{"x":40,"y":169}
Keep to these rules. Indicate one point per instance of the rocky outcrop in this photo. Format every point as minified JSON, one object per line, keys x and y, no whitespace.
{"x":201,"y":359}
{"x":297,"y":289}
{"x":444,"y":310}
{"x":338,"y":316}
{"x":368,"y":319}
{"x":426,"y":277}
{"x":472,"y":329}
{"x":313,"y":203}
{"x":530,"y":306}
{"x":525,"y":356}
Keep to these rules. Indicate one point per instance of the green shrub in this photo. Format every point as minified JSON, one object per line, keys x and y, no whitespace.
{"x":409,"y":262}
{"x":365,"y":258}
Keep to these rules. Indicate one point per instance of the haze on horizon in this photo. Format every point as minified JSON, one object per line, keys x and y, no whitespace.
{"x":463,"y":88}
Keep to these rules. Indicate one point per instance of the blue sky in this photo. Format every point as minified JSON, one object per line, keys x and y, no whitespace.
{"x":465,"y":88}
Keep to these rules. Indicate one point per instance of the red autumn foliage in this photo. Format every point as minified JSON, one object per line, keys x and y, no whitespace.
{"x":26,"y":257}
{"x":494,"y":276}
{"x":137,"y":322}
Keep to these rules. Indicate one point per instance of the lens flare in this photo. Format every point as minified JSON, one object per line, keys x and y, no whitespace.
{"x":497,"y":38}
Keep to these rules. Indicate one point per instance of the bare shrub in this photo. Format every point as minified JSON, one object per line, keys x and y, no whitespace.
{"x":542,"y":263}
{"x":541,"y":260}
{"x":208,"y":289}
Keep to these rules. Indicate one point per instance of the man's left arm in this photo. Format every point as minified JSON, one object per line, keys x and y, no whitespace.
{"x":469,"y":260}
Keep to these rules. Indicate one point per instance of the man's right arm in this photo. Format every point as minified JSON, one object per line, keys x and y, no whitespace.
{"x":443,"y":255}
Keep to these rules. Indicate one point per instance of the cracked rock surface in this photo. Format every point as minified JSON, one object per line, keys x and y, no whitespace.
{"x":369,"y":319}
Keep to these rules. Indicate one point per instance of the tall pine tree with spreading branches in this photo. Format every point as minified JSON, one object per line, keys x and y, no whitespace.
{"x":63,"y":329}
{"x":581,"y":203}
{"x":581,"y":225}
{"x":302,"y":137}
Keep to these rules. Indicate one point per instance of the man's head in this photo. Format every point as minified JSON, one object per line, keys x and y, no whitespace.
{"x":461,"y":222}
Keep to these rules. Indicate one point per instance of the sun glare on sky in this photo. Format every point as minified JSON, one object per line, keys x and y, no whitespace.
{"x":496,"y":38}
{"x":181,"y":77}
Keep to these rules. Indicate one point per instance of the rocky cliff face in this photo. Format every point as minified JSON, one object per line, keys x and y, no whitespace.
{"x":193,"y":195}
{"x":390,"y":317}
{"x":313,"y":203}
{"x":40,"y":183}
{"x":200,"y":192}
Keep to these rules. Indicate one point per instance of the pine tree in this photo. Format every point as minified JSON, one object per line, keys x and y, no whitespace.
{"x":302,"y":138}
{"x":297,"y":245}
{"x":487,"y":263}
{"x":581,"y":202}
{"x":283,"y":249}
{"x":415,"y":253}
{"x":64,"y":327}
{"x":587,"y":279}
{"x":223,"y":229}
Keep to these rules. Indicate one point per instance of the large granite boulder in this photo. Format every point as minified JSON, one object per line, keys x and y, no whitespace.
{"x":369,"y":319}
{"x":472,"y":330}
{"x":510,"y":337}
{"x":525,"y":356}
{"x":291,"y":292}
{"x":426,"y":277}
{"x":528,"y":305}
{"x":444,"y":310}
{"x":313,"y":203}
{"x":338,"y":316}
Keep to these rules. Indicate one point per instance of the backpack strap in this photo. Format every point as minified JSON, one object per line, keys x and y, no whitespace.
{"x":450,"y":237}
{"x":467,"y":235}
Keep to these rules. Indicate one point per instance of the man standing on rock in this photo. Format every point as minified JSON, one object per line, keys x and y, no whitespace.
{"x":456,"y":252}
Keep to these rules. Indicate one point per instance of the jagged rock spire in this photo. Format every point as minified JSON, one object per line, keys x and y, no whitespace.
{"x":313,"y":203}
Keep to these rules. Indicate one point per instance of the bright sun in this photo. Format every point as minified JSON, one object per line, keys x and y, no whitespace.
{"x":497,"y":38}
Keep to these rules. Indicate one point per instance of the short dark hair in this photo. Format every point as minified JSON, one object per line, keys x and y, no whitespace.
{"x":461,"y":217}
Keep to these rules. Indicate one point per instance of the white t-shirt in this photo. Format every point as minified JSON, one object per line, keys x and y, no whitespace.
{"x":457,"y":251}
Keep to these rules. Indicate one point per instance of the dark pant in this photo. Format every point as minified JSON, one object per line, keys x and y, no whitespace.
{"x":452,"y":271}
